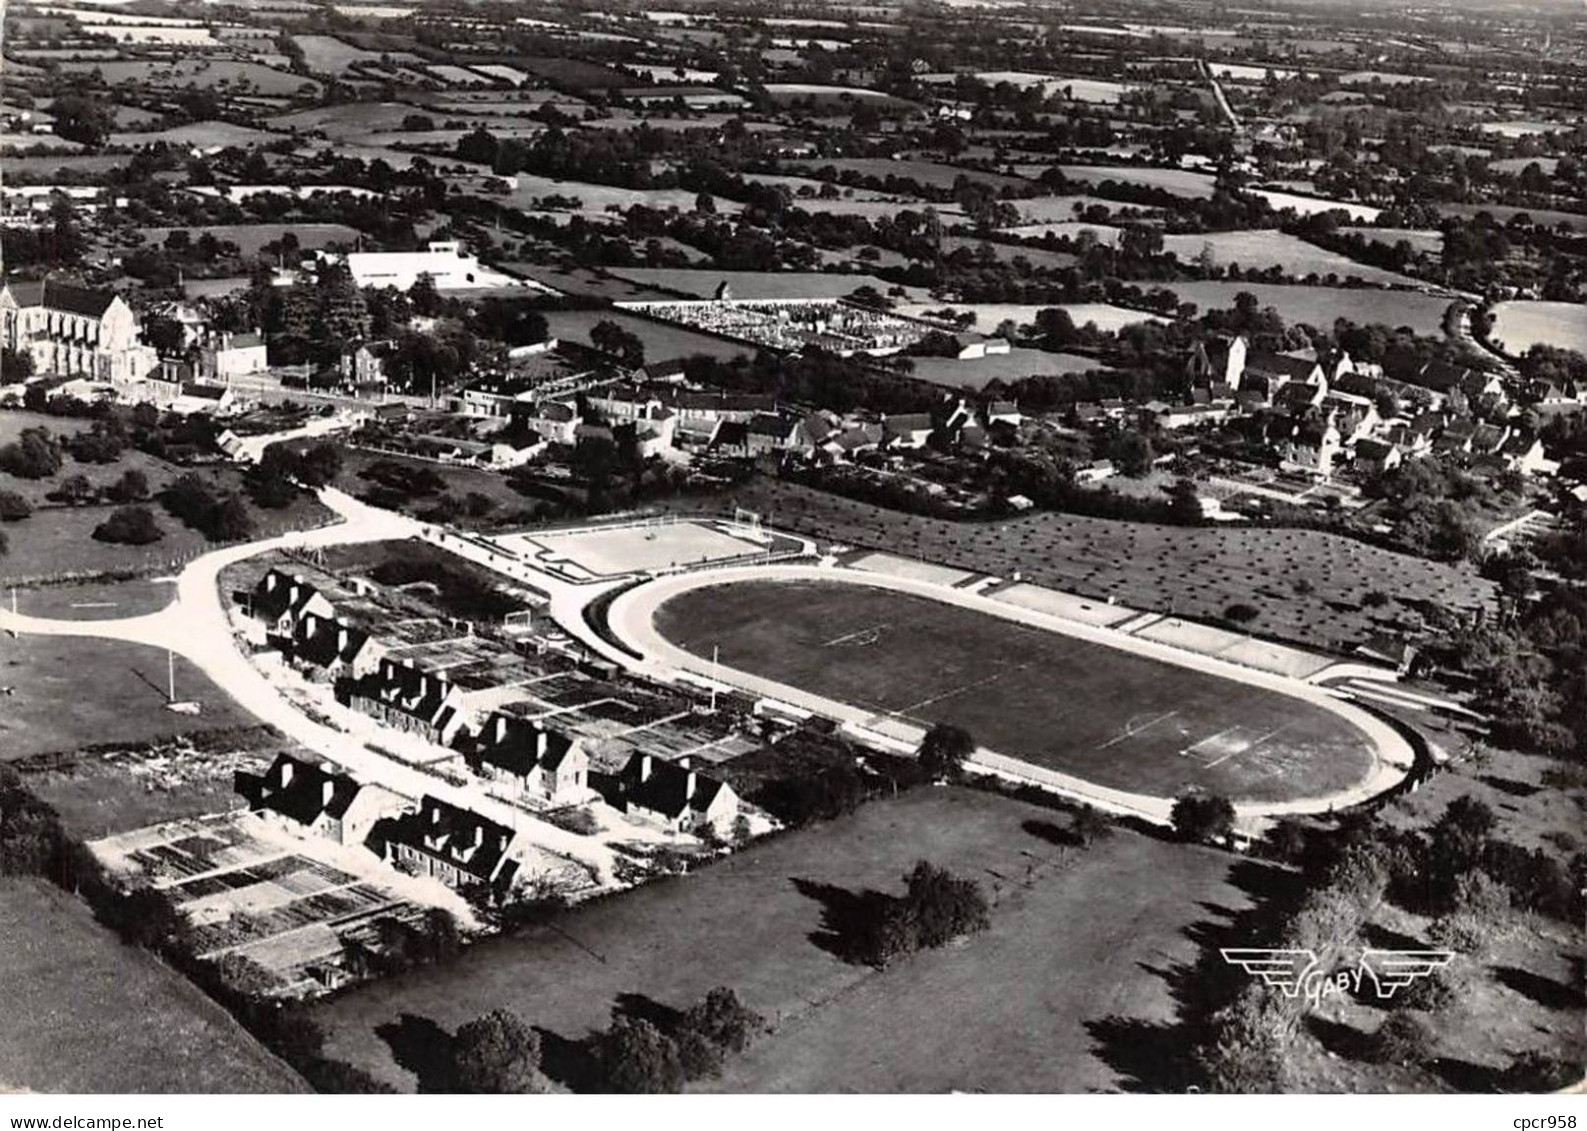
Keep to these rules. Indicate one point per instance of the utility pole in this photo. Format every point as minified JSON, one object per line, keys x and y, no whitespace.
{"x":170,"y":676}
{"x":714,"y":651}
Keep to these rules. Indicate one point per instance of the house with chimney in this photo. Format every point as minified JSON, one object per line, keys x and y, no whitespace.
{"x":279,"y":601}
{"x":451,"y":844}
{"x":333,"y":646}
{"x":319,"y":800}
{"x":672,"y":795}
{"x":409,"y":699}
{"x":530,"y":760}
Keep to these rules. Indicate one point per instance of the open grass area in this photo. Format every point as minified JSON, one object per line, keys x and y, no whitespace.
{"x":1070,"y":930}
{"x":86,"y":1013}
{"x":931,"y":173}
{"x":1180,"y":182}
{"x":97,"y":600}
{"x":663,"y":341}
{"x":105,"y":791}
{"x":1195,"y":572}
{"x":1273,"y":248}
{"x":64,"y":693}
{"x":1319,"y":306}
{"x":1014,"y":365}
{"x":205,"y":73}
{"x":249,"y":238}
{"x":1110,"y":717}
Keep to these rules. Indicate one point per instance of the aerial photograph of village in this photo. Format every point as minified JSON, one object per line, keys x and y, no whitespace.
{"x":793,"y":546}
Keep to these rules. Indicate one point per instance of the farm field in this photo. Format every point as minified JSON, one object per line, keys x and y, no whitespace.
{"x":1007,"y":253}
{"x":1100,"y":91}
{"x":249,"y":238}
{"x":198,"y":135}
{"x":1115,"y":719}
{"x":1017,"y":363}
{"x":1319,"y":306}
{"x":1105,"y":234}
{"x":128,"y":683}
{"x":194,"y":72}
{"x":796,"y":185}
{"x":327,"y":55}
{"x":702,"y":283}
{"x":600,"y":198}
{"x":1518,"y":326}
{"x":1505,"y":212}
{"x":1273,"y":248}
{"x":1430,"y":242}
{"x":1052,"y":209}
{"x":871,"y":209}
{"x":663,"y":341}
{"x":1072,"y":930}
{"x":1195,"y":573}
{"x":1180,"y":182}
{"x":930,"y":173}
{"x":989,"y":315}
{"x":91,"y":1014}
{"x":1310,"y":205}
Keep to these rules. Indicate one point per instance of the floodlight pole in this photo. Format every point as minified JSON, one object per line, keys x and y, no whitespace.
{"x":170,"y":675}
{"x":714,"y":650}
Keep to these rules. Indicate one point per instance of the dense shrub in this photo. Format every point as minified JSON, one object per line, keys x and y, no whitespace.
{"x":130,"y":526}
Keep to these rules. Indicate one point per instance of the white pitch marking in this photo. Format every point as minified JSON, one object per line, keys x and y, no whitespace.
{"x":1245,"y":749}
{"x":1131,"y":732}
{"x":1189,"y":750}
{"x":847,"y":636}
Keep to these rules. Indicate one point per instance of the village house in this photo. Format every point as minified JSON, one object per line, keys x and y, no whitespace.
{"x":278,"y":600}
{"x":324,"y":802}
{"x":906,"y":430}
{"x":554,"y":421}
{"x":454,"y":845}
{"x":767,"y":432}
{"x":333,"y":646}
{"x":673,"y":795}
{"x":1373,"y":457}
{"x":233,"y":355}
{"x":409,"y":699}
{"x":530,"y":760}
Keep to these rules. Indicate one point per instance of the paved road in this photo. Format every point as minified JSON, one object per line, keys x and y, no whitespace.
{"x":195,"y":625}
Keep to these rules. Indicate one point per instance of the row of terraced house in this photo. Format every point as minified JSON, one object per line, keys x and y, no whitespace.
{"x":516,"y":758}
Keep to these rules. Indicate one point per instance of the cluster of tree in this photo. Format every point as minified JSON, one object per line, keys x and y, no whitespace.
{"x":937,"y":907}
{"x":129,"y":526}
{"x":275,"y":481}
{"x":1204,"y":818}
{"x":1436,"y":508}
{"x":220,"y":515}
{"x":400,"y":945}
{"x":34,"y":454}
{"x":659,"y":1054}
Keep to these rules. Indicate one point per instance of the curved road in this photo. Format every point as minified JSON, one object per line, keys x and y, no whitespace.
{"x":195,"y":625}
{"x":632,"y":619}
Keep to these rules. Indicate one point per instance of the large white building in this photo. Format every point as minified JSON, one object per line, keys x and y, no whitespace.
{"x":444,"y":261}
{"x":74,"y":331}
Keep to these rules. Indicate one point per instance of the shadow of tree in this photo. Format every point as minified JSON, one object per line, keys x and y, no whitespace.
{"x":1052,"y":833}
{"x":573,"y":1064}
{"x":646,"y":1008}
{"x":1547,"y":992}
{"x":848,"y":918}
{"x":1340,"y":1039}
{"x":1508,"y":785}
{"x":422,"y":1047}
{"x":1148,"y":1056}
{"x":1464,"y":1076}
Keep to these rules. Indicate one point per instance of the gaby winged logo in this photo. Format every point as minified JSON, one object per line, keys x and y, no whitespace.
{"x":1298,"y":972}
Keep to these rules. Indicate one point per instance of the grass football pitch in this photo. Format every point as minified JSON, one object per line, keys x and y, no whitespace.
{"x":1113,"y":718}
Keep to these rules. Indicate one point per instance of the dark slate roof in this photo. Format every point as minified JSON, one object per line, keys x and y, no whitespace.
{"x":666,"y":790}
{"x":320,"y":640}
{"x":310,"y":792}
{"x":517,"y":745}
{"x":767,"y":424}
{"x":1277,"y":364}
{"x":468,"y":842}
{"x":731,"y":434}
{"x":410,"y":690}
{"x":76,"y":300}
{"x":270,"y":603}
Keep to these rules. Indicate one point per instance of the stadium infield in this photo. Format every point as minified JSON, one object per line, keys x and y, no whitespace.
{"x":1116,"y":718}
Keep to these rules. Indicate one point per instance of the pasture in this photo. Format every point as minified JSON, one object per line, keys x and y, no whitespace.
{"x":702,"y":283}
{"x":1014,"y":365}
{"x":1311,"y":205}
{"x":932,"y":173}
{"x":1319,"y":306}
{"x":1423,"y":241}
{"x":214,"y":74}
{"x":250,"y":238}
{"x":327,"y":55}
{"x":88,"y":1014}
{"x":1194,"y":572}
{"x":1518,"y":326}
{"x":1179,"y":182}
{"x":69,"y":692}
{"x":1071,"y":928}
{"x":663,"y":340}
{"x":1115,"y":719}
{"x":1273,"y":248}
